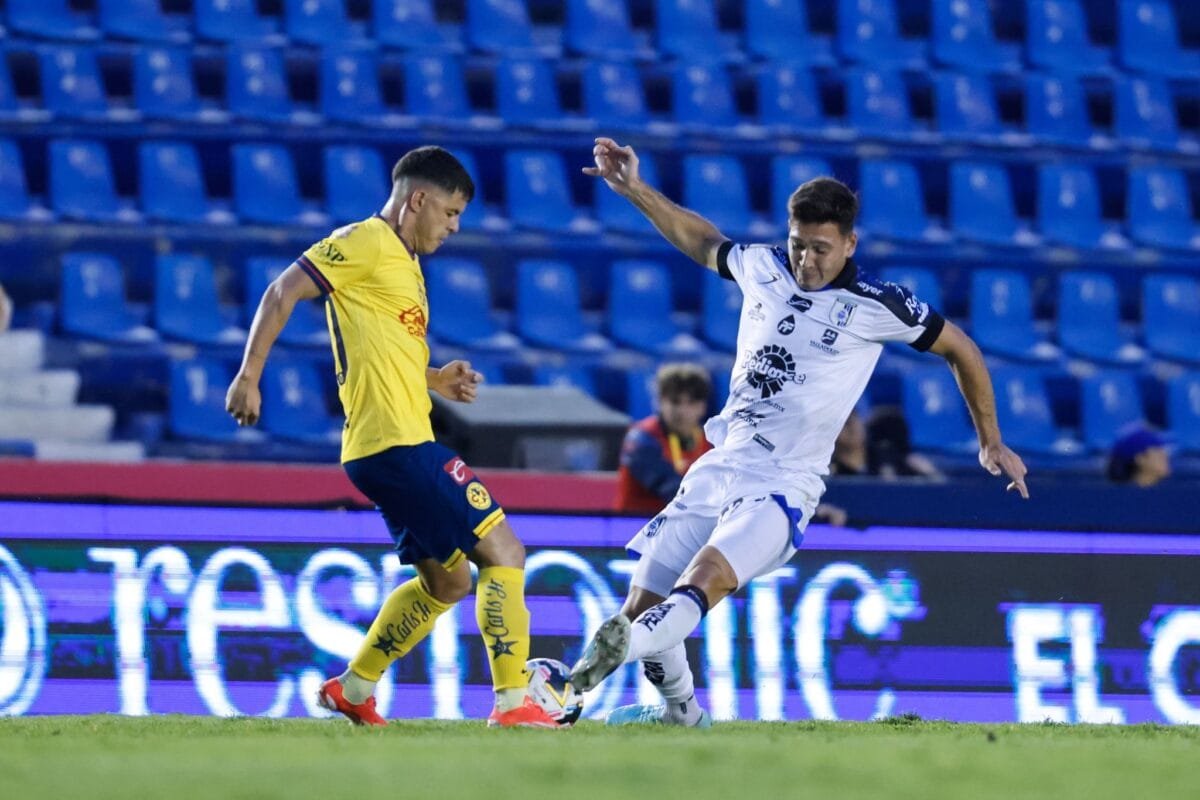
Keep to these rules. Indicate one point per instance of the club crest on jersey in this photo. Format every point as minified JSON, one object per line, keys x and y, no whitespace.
{"x":842,"y":312}
{"x":799,"y":303}
{"x":477,"y":496}
{"x":786,"y":325}
{"x":413,"y":319}
{"x":770,"y":368}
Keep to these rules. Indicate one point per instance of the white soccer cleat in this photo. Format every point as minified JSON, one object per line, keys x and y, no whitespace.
{"x":603,"y":655}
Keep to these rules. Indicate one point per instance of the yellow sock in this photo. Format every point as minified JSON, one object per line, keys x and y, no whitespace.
{"x":504,"y":622}
{"x":406,"y":618}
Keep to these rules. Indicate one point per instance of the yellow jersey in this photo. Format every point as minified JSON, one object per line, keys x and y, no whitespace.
{"x":377,"y":313}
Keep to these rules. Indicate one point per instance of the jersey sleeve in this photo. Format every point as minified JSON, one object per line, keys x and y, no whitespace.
{"x":905,"y":318}
{"x":737,"y":262}
{"x":345,"y":256}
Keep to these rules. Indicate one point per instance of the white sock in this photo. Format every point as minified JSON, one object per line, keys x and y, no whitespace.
{"x":356,"y":688}
{"x":671,"y":675}
{"x":661,"y":627}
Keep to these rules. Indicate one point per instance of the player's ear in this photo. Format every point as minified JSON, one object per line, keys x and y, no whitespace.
{"x":851,"y":243}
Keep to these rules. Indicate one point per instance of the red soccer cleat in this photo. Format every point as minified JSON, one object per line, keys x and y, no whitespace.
{"x":330,"y":696}
{"x":527,"y":715}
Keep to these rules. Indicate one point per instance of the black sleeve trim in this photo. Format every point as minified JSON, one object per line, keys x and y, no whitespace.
{"x":723,"y":260}
{"x":933,"y":329}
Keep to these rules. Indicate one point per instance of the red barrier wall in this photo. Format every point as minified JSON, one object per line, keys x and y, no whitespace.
{"x":207,"y":483}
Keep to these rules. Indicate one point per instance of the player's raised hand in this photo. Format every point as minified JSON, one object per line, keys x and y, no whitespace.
{"x":999,"y":459}
{"x":457,"y":381}
{"x":617,"y":165}
{"x":243,"y":400}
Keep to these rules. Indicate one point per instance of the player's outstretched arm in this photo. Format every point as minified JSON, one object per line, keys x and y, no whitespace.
{"x":455,"y":381}
{"x":975,"y":383}
{"x":695,"y":236}
{"x":243,"y":400}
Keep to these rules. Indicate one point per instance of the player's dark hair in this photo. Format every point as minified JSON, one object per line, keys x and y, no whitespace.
{"x":437,"y":166}
{"x":675,"y":380}
{"x":824,"y":200}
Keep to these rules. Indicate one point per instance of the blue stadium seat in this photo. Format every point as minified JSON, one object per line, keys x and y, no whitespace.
{"x":350,"y":88}
{"x":71,"y":85}
{"x":1171,"y":316}
{"x":963,"y":37}
{"x":640,"y":394}
{"x":171,"y":183}
{"x":143,"y":21}
{"x":687,"y":29}
{"x":196,"y":404}
{"x":1023,"y":412}
{"x":81,"y":181}
{"x":1002,"y":315}
{"x":536,"y":191}
{"x":49,"y":19}
{"x":460,"y":307}
{"x":893,"y":201}
{"x":1159,"y":208}
{"x":787,"y":173}
{"x":935,"y":411}
{"x":720,"y":312}
{"x":163,"y":87}
{"x":1144,"y":114}
{"x":255,"y":86}
{"x":356,"y":182}
{"x":877,"y":103}
{"x":613,"y":95}
{"x":186,"y":306}
{"x":306,"y":327}
{"x":233,"y":20}
{"x":1109,"y":401}
{"x":1069,"y":205}
{"x":547,"y":308}
{"x":981,"y":203}
{"x":788,"y":99}
{"x":1056,"y":110}
{"x":869,"y":32}
{"x":1148,"y":40}
{"x":501,"y":27}
{"x":293,"y":403}
{"x":526,"y":94}
{"x":265,"y":188}
{"x":779,"y":31}
{"x":615,"y":213}
{"x":1089,"y":319}
{"x":966,"y":107}
{"x":474,"y":214}
{"x":92,"y":301}
{"x":14,"y":192}
{"x":1183,"y":411}
{"x":715,"y":188}
{"x":920,"y":281}
{"x":1056,"y":39}
{"x":702,"y":97}
{"x":639,"y":310}
{"x":435,"y":85}
{"x":566,"y":374}
{"x":10,"y":106}
{"x":412,"y":25}
{"x":602,"y":31}
{"x":319,"y":22}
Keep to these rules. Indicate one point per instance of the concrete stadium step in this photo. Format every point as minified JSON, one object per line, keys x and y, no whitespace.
{"x":110,"y":452}
{"x":55,"y":388}
{"x":22,"y":351}
{"x":71,"y":424}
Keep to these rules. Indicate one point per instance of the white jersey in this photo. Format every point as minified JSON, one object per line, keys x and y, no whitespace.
{"x":804,"y":358}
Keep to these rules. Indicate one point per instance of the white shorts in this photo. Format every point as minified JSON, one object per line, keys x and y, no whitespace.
{"x":755,"y":520}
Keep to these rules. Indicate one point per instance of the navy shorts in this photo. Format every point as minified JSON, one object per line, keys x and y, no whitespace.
{"x":433,"y":504}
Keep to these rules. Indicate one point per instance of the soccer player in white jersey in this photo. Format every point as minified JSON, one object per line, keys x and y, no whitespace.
{"x":811,"y":331}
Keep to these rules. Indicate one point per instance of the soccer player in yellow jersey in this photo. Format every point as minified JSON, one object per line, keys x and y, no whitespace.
{"x":438,"y":512}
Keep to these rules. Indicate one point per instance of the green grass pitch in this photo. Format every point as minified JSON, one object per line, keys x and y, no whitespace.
{"x":181,"y":757}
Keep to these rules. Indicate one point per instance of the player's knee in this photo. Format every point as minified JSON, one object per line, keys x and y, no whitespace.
{"x":449,"y":587}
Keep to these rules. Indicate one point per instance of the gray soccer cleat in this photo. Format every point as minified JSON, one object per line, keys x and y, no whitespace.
{"x":650,"y":715}
{"x":604,"y":654}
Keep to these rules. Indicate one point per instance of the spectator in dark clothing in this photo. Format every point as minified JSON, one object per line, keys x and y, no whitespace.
{"x":1139,"y":456}
{"x":658,"y":450}
{"x":880,"y":446}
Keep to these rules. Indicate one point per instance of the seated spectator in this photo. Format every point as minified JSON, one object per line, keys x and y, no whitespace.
{"x":658,"y":450}
{"x":878,"y":447}
{"x":1139,"y":456}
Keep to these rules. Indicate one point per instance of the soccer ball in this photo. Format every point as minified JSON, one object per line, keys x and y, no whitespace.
{"x":550,"y":687}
